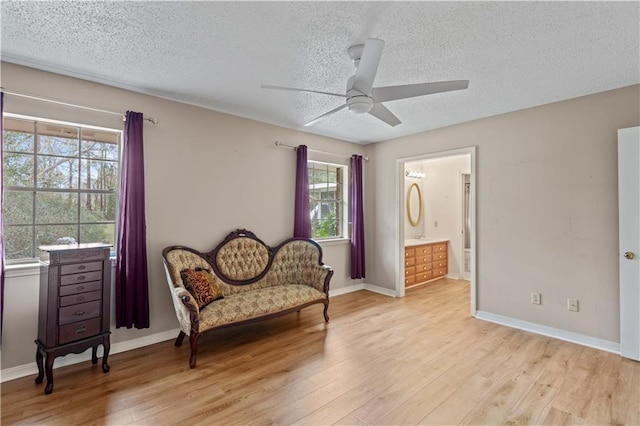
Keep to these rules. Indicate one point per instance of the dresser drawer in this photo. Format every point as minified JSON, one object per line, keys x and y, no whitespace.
{"x":439,"y":248}
{"x":423,"y":268}
{"x":80,"y":278}
{"x":411,"y":280}
{"x":439,"y":272}
{"x":409,"y":261}
{"x":424,"y":276}
{"x":440,"y":264}
{"x":80,"y":267}
{"x":67,"y":290}
{"x":409,"y":252}
{"x":421,"y":250}
{"x":409,"y":271}
{"x":439,"y":256}
{"x":68,"y":256}
{"x":421,"y":260}
{"x":80,"y":312}
{"x":80,"y":298}
{"x":78,"y":330}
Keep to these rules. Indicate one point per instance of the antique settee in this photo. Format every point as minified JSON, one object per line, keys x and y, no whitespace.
{"x":243,"y":280}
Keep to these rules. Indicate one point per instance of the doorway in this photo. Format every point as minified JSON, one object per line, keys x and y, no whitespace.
{"x":442,"y":209}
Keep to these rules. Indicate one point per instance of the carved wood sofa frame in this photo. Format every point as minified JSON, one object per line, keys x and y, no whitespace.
{"x":285,"y":279}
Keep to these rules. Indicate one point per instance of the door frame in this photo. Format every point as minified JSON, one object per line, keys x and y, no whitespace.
{"x":401,"y":212}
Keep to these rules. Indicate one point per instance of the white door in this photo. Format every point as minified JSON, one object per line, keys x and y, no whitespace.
{"x":629,"y":230}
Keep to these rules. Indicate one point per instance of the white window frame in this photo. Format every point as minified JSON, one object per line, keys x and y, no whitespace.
{"x":343,"y":204}
{"x":81,"y":126}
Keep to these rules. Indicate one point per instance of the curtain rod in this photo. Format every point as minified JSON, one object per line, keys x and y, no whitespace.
{"x":22,"y":95}
{"x":280,"y":144}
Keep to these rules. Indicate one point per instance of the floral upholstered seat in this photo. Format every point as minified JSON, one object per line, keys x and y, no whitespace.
{"x":254,"y":282}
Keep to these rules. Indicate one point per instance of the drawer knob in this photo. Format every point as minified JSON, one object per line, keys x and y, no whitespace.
{"x":80,"y":298}
{"x":79,"y":313}
{"x":81,"y":277}
{"x":81,"y":329}
{"x":80,"y":287}
{"x":81,"y":267}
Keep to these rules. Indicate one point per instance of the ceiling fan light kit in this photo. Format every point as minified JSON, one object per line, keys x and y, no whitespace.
{"x":362,"y":97}
{"x":359,"y":104}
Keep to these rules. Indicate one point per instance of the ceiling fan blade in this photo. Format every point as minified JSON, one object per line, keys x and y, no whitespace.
{"x":391,"y":93}
{"x":381,"y":112}
{"x":325,"y":114}
{"x":293,"y":89}
{"x":368,"y":67}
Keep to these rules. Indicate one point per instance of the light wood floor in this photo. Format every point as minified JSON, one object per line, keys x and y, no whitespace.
{"x":416,"y":360}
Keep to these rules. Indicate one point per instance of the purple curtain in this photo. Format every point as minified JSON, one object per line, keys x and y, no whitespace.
{"x":301,"y":218}
{"x":357,"y":218}
{"x":1,"y":224}
{"x":132,"y":283}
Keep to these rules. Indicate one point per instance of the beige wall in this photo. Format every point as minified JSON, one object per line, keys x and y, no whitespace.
{"x":207,"y":173}
{"x":546,"y":208}
{"x":546,"y":198}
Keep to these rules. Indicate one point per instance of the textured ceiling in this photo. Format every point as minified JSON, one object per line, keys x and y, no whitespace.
{"x":217,"y":54}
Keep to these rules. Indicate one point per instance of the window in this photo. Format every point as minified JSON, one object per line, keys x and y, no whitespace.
{"x":327,"y":199}
{"x":60,"y":183}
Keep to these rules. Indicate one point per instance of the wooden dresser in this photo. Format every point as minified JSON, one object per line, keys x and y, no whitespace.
{"x":424,"y":262}
{"x":75,"y":294}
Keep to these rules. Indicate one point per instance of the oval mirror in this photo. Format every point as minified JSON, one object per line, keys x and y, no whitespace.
{"x":414,"y":204}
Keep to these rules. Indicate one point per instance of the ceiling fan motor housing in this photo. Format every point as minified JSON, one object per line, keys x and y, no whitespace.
{"x":355,"y":53}
{"x":360,"y":104}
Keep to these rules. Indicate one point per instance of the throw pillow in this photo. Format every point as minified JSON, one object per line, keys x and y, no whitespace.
{"x":202,"y":286}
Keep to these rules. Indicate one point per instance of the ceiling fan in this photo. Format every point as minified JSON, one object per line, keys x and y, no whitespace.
{"x":362,"y":97}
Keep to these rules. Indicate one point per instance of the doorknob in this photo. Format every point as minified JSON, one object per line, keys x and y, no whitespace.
{"x":629,"y":255}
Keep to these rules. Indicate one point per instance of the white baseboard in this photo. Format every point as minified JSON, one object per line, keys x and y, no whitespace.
{"x":31,"y":368}
{"x":362,"y":286}
{"x":345,"y":290}
{"x":568,"y":336}
{"x":380,"y":290}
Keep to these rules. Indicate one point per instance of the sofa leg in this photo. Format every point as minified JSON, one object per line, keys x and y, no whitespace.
{"x":326,"y":313}
{"x":193,"y":340}
{"x":179,"y":339}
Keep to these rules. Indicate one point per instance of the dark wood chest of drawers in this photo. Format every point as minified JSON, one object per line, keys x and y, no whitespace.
{"x":75,"y":294}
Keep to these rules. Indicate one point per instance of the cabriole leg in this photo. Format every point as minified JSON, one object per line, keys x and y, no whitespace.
{"x":49,"y":370}
{"x":193,"y":340}
{"x":326,"y":312}
{"x":39,"y":363}
{"x":179,"y":339}
{"x":106,"y":343}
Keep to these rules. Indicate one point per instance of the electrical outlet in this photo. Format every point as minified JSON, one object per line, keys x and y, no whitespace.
{"x":435,"y":224}
{"x":536,"y":298}
{"x":572,"y":305}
